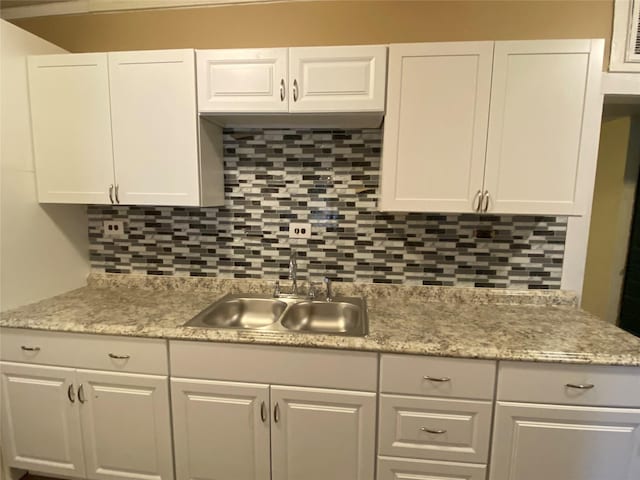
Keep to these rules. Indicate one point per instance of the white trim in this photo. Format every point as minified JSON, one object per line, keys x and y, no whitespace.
{"x":575,"y":253}
{"x":621,"y":83}
{"x":95,"y":6}
{"x":620,"y":41}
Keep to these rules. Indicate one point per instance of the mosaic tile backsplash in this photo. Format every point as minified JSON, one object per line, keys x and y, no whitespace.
{"x":328,"y":178}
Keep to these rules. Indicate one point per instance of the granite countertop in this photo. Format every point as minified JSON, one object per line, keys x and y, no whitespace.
{"x":439,"y":321}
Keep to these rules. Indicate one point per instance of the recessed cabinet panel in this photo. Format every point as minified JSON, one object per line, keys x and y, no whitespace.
{"x":71,"y":122}
{"x":242,"y":80}
{"x":435,"y":129}
{"x":532,"y":442}
{"x":221,"y":430}
{"x":126,"y":425}
{"x":335,"y":79}
{"x":413,"y":469}
{"x":320,"y":434}
{"x":40,"y":419}
{"x":155,"y":136}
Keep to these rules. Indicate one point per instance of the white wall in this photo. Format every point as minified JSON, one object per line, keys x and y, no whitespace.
{"x":43,"y":248}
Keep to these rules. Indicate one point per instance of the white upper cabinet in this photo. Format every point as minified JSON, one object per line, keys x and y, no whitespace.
{"x":539,"y":100}
{"x":528,"y":150}
{"x":242,"y":80}
{"x":292,"y":80}
{"x":436,"y":125}
{"x":71,"y":127}
{"x":337,"y":79}
{"x":155,"y":129}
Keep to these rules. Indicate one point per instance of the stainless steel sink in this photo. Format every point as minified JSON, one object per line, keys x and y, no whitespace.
{"x":341,"y":316}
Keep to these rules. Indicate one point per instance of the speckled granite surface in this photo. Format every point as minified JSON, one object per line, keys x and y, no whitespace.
{"x":472,"y":323}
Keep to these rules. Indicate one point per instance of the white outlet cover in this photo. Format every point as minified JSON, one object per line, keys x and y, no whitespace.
{"x":113,"y":228}
{"x":299,"y":230}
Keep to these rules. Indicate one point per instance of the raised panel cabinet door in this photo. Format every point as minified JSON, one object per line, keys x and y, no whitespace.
{"x":41,"y":420}
{"x":544,"y":96}
{"x":126,"y":425}
{"x":560,"y":442}
{"x":243,"y":80}
{"x":317,"y":434}
{"x":71,"y":122}
{"x":337,"y":79}
{"x":221,"y":430}
{"x":155,"y":129}
{"x":436,"y":127}
{"x":390,"y":468}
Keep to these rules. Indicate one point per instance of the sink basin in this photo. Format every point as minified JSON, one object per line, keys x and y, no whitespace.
{"x":325,"y":317}
{"x":343,"y":316}
{"x":240,"y":313}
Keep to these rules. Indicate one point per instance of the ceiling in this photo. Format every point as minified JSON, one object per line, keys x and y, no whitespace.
{"x":24,"y":3}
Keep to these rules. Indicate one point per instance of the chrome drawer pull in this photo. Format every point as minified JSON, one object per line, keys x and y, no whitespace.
{"x":30,"y":349}
{"x":119,"y":357}
{"x":436,"y":432}
{"x":581,"y":386}
{"x":437,"y":379}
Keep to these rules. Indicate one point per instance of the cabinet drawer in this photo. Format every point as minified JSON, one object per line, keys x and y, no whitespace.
{"x":435,"y":429}
{"x":305,"y":367}
{"x":411,"y":468}
{"x":79,"y":350}
{"x":438,"y":377}
{"x":550,"y":383}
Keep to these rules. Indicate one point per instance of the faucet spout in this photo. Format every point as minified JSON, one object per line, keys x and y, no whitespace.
{"x":293,"y":271}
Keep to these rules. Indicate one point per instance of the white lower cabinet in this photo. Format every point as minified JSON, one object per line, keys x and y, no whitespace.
{"x":413,"y":469}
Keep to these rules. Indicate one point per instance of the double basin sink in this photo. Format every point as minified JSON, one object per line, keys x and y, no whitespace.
{"x":341,"y":316}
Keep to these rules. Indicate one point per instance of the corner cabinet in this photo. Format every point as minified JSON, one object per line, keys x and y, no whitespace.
{"x":492,"y":127}
{"x":122,"y":128}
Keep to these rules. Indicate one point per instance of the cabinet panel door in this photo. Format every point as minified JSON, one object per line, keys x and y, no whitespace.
{"x":221,"y":430}
{"x":243,"y":80}
{"x":71,"y":122}
{"x":319,"y":434}
{"x":540,"y":99}
{"x":337,"y":79}
{"x":155,"y":136}
{"x":126,"y":425}
{"x":40,"y":419}
{"x":556,"y":442}
{"x":436,"y":125}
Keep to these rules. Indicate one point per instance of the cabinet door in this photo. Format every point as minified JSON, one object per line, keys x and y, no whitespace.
{"x":436,"y":126}
{"x":126,"y":425}
{"x":543,"y":97}
{"x":71,"y":124}
{"x":557,"y":442}
{"x":242,"y":80}
{"x":337,"y":79}
{"x":155,"y":137}
{"x":221,"y":430}
{"x":319,"y":434}
{"x":40,"y":419}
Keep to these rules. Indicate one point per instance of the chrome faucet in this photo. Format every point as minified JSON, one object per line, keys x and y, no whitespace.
{"x":293,"y":271}
{"x":327,"y":281}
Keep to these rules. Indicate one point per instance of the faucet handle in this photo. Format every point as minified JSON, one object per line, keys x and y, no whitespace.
{"x":327,"y":281}
{"x":276,"y":289}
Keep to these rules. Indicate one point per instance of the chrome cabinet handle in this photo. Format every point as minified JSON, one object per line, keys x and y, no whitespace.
{"x":282,"y":90}
{"x":437,"y":379}
{"x":486,"y":201}
{"x":477,"y":201}
{"x":295,"y":90}
{"x":435,"y":432}
{"x":263,"y":412}
{"x":71,"y":394}
{"x":111,"y":193}
{"x":30,"y":349}
{"x":117,"y":187}
{"x":580,"y":386}
{"x":276,"y":413}
{"x":119,"y":357}
{"x":81,"y":394}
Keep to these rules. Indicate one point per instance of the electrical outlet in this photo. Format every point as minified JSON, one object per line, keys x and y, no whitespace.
{"x":113,"y":228}
{"x":299,"y":230}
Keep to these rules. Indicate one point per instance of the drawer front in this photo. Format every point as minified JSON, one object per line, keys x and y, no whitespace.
{"x":560,"y":384}
{"x":97,"y":352}
{"x":438,"y":377}
{"x":304,"y":367}
{"x":414,"y":469}
{"x":435,"y":429}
